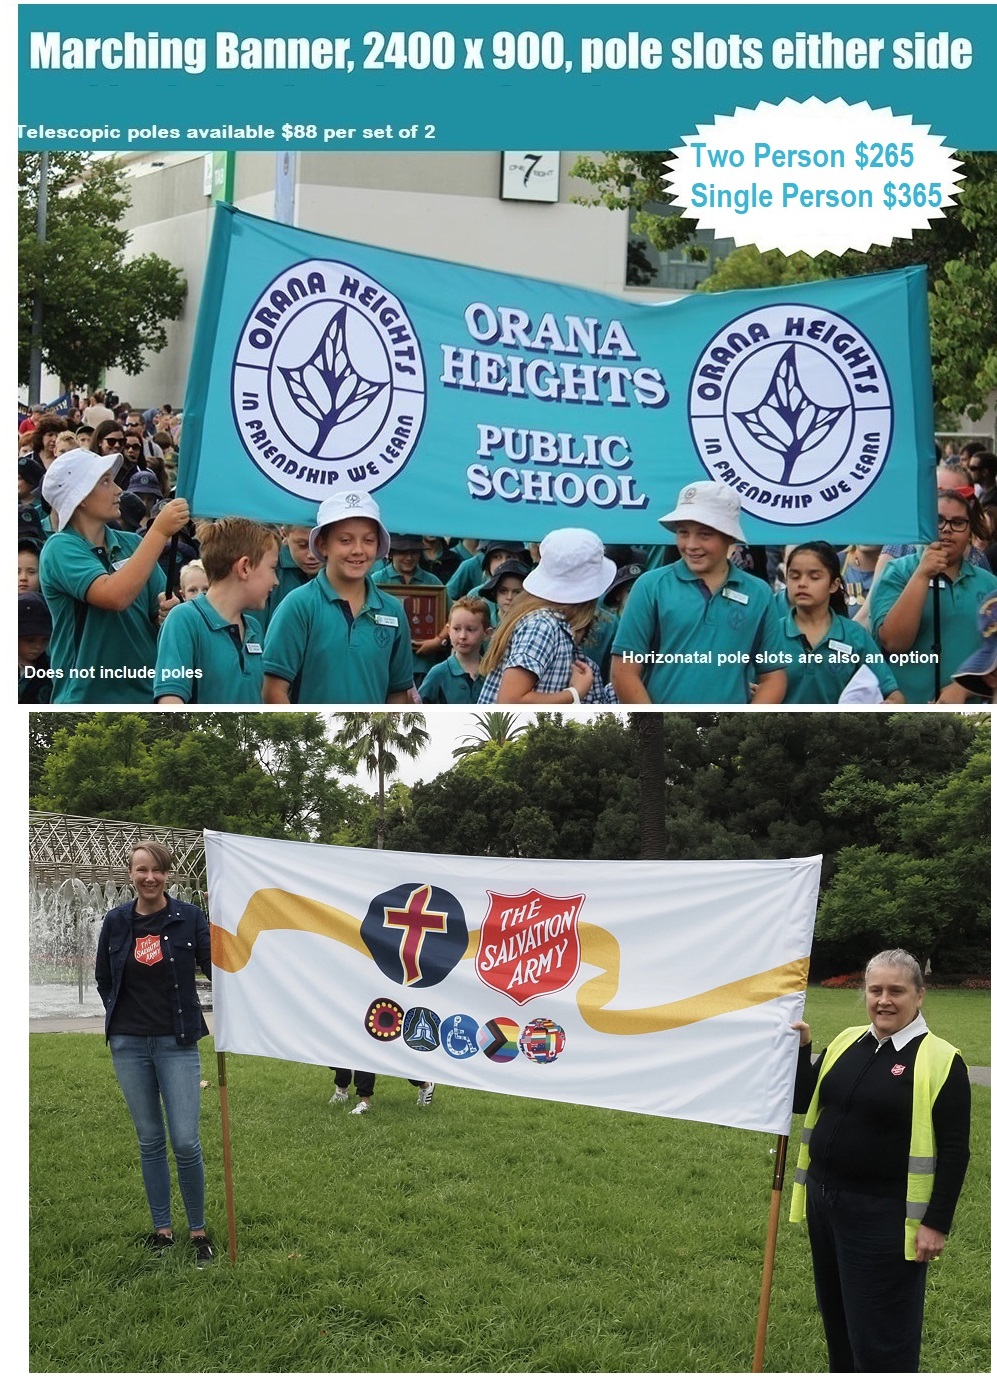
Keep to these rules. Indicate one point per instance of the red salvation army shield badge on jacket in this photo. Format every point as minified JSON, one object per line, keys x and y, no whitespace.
{"x":529,"y":944}
{"x":148,"y":949}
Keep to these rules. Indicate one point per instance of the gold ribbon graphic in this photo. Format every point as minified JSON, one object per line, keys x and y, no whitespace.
{"x":272,"y":908}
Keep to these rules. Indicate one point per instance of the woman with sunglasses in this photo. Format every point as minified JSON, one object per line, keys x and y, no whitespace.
{"x":109,"y":439}
{"x":924,"y":607}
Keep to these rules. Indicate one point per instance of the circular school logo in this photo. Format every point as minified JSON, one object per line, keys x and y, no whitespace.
{"x":328,"y":381}
{"x":791,"y":407}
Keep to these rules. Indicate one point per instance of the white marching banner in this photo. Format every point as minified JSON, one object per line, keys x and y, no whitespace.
{"x":661,"y":988}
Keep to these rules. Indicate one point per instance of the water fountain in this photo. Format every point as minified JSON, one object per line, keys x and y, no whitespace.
{"x":63,"y":924}
{"x":78,"y":872}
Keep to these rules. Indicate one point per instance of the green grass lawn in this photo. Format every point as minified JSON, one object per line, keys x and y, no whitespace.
{"x":485,"y":1234}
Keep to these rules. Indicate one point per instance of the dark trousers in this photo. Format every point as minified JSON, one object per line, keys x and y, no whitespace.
{"x":364,"y":1082}
{"x":870,"y":1297}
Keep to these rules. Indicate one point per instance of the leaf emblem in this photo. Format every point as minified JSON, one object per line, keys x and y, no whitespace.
{"x":786,"y":421}
{"x":327,"y":387}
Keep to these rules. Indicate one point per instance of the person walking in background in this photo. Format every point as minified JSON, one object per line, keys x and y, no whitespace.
{"x":147,"y":953}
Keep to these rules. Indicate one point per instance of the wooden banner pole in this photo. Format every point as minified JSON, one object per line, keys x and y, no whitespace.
{"x":226,"y":1151}
{"x":778,"y":1175}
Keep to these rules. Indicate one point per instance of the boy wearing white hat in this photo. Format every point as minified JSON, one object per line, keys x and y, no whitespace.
{"x":339,"y":639}
{"x":104,"y":587}
{"x":699,"y":631}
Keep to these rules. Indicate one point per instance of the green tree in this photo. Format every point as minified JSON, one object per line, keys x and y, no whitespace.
{"x":633,"y":180}
{"x":561,"y":790}
{"x":959,"y":250}
{"x":264,"y":774}
{"x":649,"y":732}
{"x":747,"y":267}
{"x":494,"y":726}
{"x":924,"y":881}
{"x":375,"y":740}
{"x":100,"y":307}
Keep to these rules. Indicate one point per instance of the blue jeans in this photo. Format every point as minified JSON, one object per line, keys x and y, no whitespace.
{"x":156,"y":1073}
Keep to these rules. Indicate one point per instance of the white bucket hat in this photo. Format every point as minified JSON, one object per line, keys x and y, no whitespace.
{"x":341,"y":506}
{"x":709,"y":503}
{"x":70,"y":478}
{"x":573,"y":567}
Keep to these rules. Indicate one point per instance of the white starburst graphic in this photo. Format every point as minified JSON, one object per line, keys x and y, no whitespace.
{"x":813,"y":176}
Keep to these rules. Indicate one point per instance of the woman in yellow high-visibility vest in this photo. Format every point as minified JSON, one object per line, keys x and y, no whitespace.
{"x":884,"y":1154}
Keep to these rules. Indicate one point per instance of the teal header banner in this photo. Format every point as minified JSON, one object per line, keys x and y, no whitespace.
{"x":468,"y":401}
{"x":343,"y":77}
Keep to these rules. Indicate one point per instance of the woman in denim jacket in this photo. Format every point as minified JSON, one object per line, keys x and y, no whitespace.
{"x":147,"y":954}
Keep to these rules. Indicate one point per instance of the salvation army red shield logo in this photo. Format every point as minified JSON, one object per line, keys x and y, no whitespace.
{"x":149,"y":949}
{"x":529,"y":944}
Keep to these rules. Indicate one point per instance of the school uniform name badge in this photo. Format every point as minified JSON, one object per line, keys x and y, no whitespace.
{"x":790,"y":405}
{"x":328,"y":386}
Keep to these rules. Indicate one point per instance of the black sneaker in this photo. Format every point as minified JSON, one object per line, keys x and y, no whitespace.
{"x":158,"y":1241}
{"x":204,"y":1252}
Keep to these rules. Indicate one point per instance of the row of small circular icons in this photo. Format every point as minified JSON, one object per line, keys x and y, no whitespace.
{"x":501,"y":1039}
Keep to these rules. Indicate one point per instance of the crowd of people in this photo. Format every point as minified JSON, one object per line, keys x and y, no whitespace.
{"x":122,"y":599}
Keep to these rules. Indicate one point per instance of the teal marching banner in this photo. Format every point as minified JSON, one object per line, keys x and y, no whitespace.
{"x":473,"y":403}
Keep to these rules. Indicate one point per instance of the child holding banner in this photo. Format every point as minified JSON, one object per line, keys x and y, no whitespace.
{"x":339,"y":639}
{"x":104,"y":587}
{"x":210,"y":649}
{"x":700,"y":630}
{"x":534,"y":658}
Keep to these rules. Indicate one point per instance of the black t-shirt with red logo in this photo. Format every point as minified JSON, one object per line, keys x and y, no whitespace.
{"x":145,"y":1002}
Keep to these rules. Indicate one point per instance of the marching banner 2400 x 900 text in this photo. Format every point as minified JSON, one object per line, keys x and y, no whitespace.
{"x":662,"y":988}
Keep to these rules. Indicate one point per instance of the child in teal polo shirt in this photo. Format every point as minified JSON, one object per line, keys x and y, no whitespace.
{"x":104,"y":588}
{"x":211,"y":648}
{"x":457,"y":681}
{"x":824,"y":647}
{"x":296,"y":565}
{"x":404,"y":568}
{"x":701,"y":630}
{"x":339,"y":639}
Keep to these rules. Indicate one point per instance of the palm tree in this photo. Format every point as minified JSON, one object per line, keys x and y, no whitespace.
{"x":648,"y":728}
{"x":496,"y":727}
{"x":375,"y":740}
